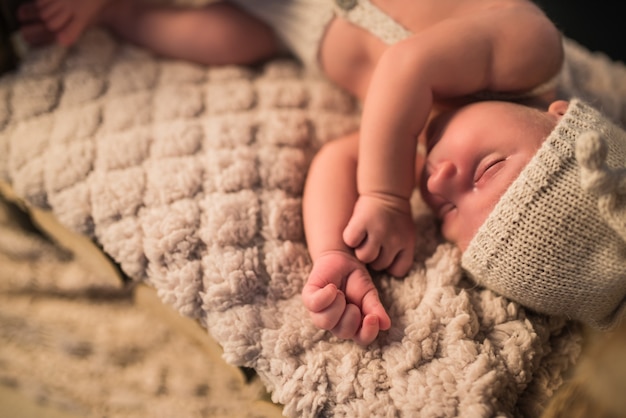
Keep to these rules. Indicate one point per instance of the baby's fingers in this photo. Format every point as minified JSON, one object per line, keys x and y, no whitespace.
{"x":369,"y":330}
{"x":316,"y":299}
{"x":368,"y":251}
{"x":349,"y":323}
{"x":366,"y":248}
{"x":354,"y":234}
{"x":373,"y":307}
{"x":385,"y":259}
{"x":402,"y":263}
{"x":329,"y":317}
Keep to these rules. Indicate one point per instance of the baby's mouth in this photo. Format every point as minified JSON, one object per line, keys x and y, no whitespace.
{"x":438,"y":205}
{"x":444,"y":209}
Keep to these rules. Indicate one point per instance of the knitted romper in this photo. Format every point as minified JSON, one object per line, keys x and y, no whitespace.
{"x":301,"y":24}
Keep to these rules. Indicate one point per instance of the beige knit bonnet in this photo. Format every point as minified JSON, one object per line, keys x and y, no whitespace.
{"x":556,"y":240}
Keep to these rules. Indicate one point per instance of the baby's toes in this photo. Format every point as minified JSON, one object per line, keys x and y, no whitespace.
{"x":28,"y":12}
{"x":36,"y":34}
{"x":57,"y":22}
{"x":70,"y":33}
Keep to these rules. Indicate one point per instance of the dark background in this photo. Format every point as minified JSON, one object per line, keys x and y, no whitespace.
{"x":597,"y":25}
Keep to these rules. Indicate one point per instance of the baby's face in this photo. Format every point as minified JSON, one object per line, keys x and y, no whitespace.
{"x":474,"y":154}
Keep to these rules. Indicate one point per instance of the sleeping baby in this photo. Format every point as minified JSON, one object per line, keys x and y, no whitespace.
{"x":536,"y":200}
{"x":421,"y":71}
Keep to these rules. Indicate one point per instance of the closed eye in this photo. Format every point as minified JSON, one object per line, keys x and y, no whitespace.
{"x":487,"y":170}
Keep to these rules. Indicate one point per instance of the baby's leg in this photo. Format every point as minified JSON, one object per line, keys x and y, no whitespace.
{"x":218,"y":33}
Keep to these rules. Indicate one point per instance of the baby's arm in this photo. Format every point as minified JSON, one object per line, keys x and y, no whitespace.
{"x":506,"y":50}
{"x":339,"y":292}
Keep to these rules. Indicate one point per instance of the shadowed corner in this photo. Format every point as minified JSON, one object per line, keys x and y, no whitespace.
{"x":596,"y":386}
{"x":11,"y":46}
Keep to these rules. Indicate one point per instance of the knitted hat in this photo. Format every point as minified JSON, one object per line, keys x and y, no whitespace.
{"x":556,"y":240}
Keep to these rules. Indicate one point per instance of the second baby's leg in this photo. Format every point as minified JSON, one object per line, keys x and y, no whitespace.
{"x":218,"y":33}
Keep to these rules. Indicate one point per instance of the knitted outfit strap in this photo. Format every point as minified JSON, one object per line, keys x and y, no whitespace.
{"x":369,"y":17}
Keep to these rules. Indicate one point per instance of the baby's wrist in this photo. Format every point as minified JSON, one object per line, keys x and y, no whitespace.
{"x":388,"y":199}
{"x":343,"y":251}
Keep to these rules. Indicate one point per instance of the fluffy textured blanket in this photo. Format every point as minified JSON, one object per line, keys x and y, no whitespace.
{"x":190,"y":178}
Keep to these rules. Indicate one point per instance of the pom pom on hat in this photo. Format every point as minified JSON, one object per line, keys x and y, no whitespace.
{"x":609,"y":185}
{"x":556,"y":240}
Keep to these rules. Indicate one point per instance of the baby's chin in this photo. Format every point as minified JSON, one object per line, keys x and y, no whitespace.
{"x":463,"y":233}
{"x":461,"y":243}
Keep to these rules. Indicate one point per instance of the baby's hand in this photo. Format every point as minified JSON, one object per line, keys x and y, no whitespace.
{"x":382,"y":233}
{"x":342,"y":298}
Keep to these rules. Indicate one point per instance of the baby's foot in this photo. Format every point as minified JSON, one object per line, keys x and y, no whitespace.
{"x":66,"y":20}
{"x":31,"y":27}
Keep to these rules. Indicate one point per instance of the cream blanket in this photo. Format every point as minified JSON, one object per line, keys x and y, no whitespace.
{"x":190,"y":178}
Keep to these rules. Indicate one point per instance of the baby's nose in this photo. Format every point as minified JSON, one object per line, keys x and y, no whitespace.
{"x":440,"y":178}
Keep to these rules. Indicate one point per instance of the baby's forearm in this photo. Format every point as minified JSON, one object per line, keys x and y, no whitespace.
{"x":395,"y":111}
{"x":330,"y":195}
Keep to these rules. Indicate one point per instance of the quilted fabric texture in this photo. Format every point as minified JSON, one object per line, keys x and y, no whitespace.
{"x":190,"y":178}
